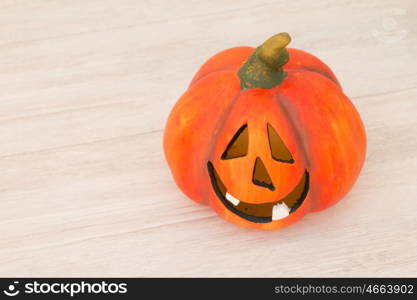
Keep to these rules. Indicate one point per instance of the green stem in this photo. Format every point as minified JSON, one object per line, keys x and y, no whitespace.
{"x":263,"y":69}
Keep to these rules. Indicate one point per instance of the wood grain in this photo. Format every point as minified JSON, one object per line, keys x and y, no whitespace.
{"x":85,"y":90}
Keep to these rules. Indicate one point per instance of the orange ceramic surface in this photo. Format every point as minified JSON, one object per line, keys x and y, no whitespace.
{"x":265,"y":157}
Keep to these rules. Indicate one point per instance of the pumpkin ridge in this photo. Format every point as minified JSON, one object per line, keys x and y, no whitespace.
{"x":220,"y":124}
{"x":232,"y":58}
{"x":298,"y":136}
{"x":192,"y":83}
{"x":316,"y":71}
{"x":289,"y":116}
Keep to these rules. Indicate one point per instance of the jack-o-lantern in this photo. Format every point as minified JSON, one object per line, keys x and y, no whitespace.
{"x":265,"y":136}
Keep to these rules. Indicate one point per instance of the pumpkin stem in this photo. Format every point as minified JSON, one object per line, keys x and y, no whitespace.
{"x":263,"y":69}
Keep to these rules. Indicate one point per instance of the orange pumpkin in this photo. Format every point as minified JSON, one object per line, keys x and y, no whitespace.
{"x":265,"y":136}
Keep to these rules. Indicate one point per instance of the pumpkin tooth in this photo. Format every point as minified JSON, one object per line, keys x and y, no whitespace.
{"x":280,"y":211}
{"x":232,"y":199}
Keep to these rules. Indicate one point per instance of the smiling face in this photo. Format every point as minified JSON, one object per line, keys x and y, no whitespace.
{"x":259,"y":212}
{"x":257,"y":174}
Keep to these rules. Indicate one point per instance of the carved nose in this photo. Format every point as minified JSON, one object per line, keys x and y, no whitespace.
{"x":261,"y":176}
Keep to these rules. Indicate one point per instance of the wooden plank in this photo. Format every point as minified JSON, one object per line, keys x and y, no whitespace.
{"x":85,"y":90}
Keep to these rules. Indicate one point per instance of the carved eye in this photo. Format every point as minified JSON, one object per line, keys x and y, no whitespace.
{"x":279,"y":151}
{"x":238,"y":145}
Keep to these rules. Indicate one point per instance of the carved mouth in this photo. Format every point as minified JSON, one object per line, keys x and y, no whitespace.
{"x":262,"y":212}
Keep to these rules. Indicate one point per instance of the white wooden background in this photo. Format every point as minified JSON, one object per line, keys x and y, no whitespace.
{"x":86,"y":87}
